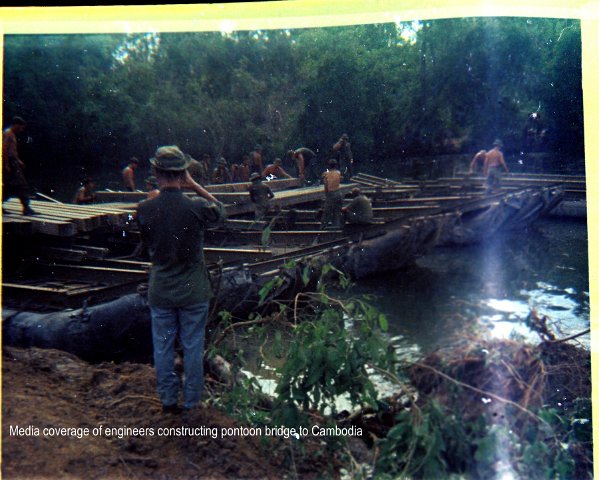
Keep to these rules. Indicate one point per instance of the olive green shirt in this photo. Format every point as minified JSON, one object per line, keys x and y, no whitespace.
{"x":360,"y":210}
{"x":260,"y":193}
{"x":172,"y":227}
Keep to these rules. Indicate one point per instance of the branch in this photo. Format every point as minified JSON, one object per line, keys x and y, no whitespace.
{"x":571,"y":337}
{"x":482,"y":392}
{"x":231,"y":327}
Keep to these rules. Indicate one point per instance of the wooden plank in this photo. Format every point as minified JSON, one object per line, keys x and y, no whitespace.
{"x":96,"y":253}
{"x":275,"y":263}
{"x":519,"y":180}
{"x":136,"y":263}
{"x":236,"y":224}
{"x":545,"y":176}
{"x":124,"y":197}
{"x":101,"y":215}
{"x":46,"y":289}
{"x":229,"y":255}
{"x":377,"y":180}
{"x":65,"y":254}
{"x":83,"y":222}
{"x":230,"y":188}
{"x":108,"y":270}
{"x":48,"y":225}
{"x":96,"y":273}
{"x":221,"y":237}
{"x":53,"y":227}
{"x":60,"y":298}
{"x":275,"y":185}
{"x":232,"y":198}
{"x":289,"y":197}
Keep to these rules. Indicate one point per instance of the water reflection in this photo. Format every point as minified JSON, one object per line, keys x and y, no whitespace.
{"x":451,"y":291}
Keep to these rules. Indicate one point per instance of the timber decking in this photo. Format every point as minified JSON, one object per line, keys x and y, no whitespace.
{"x":224,"y":192}
{"x":60,"y":219}
{"x":391,"y":199}
{"x":66,"y":220}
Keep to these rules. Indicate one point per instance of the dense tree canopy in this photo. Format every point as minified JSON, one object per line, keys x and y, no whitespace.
{"x":418,"y":88}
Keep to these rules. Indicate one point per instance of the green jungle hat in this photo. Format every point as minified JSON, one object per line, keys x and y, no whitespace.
{"x":170,"y":158}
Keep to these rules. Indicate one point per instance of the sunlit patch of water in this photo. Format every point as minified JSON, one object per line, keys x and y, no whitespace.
{"x":565,"y":314}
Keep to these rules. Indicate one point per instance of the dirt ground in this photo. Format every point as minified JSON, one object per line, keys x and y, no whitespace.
{"x":49,"y":388}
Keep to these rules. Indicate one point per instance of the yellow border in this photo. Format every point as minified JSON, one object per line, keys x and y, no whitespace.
{"x":590,"y":80}
{"x":314,"y":13}
{"x":265,"y":15}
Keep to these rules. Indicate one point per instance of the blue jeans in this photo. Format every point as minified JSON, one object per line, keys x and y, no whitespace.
{"x":189,"y":323}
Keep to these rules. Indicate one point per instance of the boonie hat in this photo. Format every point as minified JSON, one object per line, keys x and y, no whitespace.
{"x":152,"y":180}
{"x":170,"y":158}
{"x":255,"y":176}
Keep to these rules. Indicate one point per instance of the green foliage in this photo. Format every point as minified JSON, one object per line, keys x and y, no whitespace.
{"x":269,"y":287}
{"x":420,"y":88}
{"x":433,"y":442}
{"x":327,"y":359}
{"x":422,"y":443}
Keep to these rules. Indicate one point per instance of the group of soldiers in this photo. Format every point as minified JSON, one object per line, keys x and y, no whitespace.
{"x":252,"y":169}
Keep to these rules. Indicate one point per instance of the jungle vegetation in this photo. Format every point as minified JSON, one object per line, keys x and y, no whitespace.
{"x":407,"y":89}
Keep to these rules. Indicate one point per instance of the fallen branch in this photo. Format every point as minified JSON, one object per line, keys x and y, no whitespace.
{"x":482,"y":392}
{"x":571,"y":337}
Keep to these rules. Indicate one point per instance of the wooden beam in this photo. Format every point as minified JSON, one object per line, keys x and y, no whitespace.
{"x":64,"y":254}
{"x":222,"y":237}
{"x":275,"y":185}
{"x":96,"y":253}
{"x":289,"y":197}
{"x":230,"y":188}
{"x":46,"y":225}
{"x":229,"y":255}
{"x":84,"y":223}
{"x":88,"y":273}
{"x":377,"y":180}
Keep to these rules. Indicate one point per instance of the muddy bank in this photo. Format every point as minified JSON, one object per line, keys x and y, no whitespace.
{"x":49,"y":388}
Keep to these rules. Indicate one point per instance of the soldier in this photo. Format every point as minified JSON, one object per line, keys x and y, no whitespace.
{"x":275,"y":170}
{"x":244,"y":169}
{"x":304,"y":161}
{"x":260,"y":194}
{"x":344,"y":156}
{"x":152,"y":187}
{"x":494,"y":163}
{"x":221,"y":173}
{"x":172,"y":226}
{"x":359,"y":211}
{"x":85,"y":194}
{"x":331,"y":179}
{"x":256,"y":160}
{"x":13,"y":176}
{"x":128,"y":174}
{"x":478,"y":160}
{"x":198,"y":171}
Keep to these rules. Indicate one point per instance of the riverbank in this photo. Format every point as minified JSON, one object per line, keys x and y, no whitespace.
{"x":50,"y":389}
